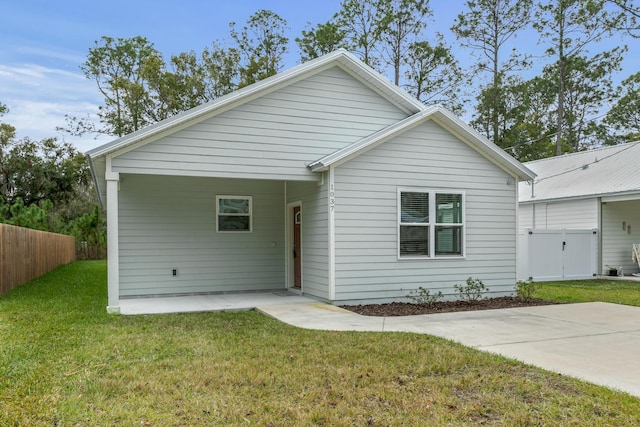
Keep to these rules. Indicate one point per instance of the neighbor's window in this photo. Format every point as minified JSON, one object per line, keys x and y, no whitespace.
{"x":430,"y":223}
{"x":233,"y":213}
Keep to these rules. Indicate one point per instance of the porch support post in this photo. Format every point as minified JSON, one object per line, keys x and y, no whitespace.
{"x":113,"y":267}
{"x":332,"y":234}
{"x":599,"y":266}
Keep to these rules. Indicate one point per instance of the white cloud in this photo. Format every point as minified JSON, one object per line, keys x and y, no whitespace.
{"x":38,"y":98}
{"x":69,"y":57}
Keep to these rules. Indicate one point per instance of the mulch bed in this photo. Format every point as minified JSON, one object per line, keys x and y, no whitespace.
{"x":409,"y":309}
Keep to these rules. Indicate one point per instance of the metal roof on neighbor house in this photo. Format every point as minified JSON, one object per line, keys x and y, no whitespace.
{"x":607,"y":171}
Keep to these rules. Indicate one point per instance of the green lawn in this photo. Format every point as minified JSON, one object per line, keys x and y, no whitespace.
{"x":615,"y":291}
{"x":65,"y":362}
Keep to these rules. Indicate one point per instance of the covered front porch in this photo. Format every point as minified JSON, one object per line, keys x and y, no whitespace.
{"x":207,"y":238}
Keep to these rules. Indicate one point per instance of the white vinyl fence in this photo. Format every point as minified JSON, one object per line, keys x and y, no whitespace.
{"x":562,"y":254}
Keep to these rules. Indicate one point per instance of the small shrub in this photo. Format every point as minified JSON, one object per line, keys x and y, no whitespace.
{"x":424,"y":296}
{"x":472,"y":291}
{"x":526,"y":289}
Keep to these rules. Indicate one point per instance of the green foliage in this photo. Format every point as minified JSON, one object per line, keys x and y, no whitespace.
{"x":46,"y":185}
{"x":323,"y":39}
{"x":123,"y":70}
{"x":486,"y":28}
{"x":363,"y":21}
{"x":391,"y":33}
{"x":526,"y":289}
{"x":35,"y":171}
{"x":624,"y":116}
{"x":90,"y":232}
{"x":433,"y":75}
{"x":587,"y":87}
{"x":567,"y":28}
{"x":139,"y":88}
{"x":7,"y":132}
{"x":32,"y":216}
{"x":527,"y":133}
{"x":424,"y":296}
{"x":221,"y":68}
{"x":262,"y":43}
{"x":471,"y":292}
{"x":402,"y":24}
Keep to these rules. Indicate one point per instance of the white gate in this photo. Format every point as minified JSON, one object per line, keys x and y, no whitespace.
{"x":558,"y":254}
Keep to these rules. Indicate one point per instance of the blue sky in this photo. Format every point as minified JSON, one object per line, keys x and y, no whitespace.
{"x":43,"y":43}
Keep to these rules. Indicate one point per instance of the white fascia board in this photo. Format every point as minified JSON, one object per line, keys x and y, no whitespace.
{"x":609,"y":197}
{"x":622,"y":197}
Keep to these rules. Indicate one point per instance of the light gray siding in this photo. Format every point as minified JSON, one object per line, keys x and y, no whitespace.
{"x":271,"y":137}
{"x":168,"y":223}
{"x":525,"y":217}
{"x":367,"y":268}
{"x":314,"y":227}
{"x":616,"y":241}
{"x":575,"y":214}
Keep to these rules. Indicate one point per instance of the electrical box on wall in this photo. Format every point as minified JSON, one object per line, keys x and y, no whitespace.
{"x":174,"y":272}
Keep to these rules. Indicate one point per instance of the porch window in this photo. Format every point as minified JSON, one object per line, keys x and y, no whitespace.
{"x":234,"y":214}
{"x":430,"y":223}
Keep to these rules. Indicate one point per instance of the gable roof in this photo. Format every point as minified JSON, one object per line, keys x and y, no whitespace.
{"x":604,"y":171}
{"x":340,"y":57}
{"x":417,"y":112}
{"x":445,"y":119}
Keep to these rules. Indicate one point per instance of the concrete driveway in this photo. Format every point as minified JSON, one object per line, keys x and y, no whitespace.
{"x":596,"y":342}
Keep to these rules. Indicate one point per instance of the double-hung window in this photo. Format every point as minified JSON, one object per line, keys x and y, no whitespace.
{"x":430,"y":223}
{"x":233,"y":214}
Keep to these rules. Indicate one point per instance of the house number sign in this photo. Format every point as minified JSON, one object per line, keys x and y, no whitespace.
{"x":332,"y":198}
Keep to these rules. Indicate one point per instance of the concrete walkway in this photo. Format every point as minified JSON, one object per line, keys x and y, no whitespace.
{"x":596,"y":342}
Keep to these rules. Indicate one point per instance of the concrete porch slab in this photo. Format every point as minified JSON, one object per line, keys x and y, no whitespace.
{"x":212,"y":302}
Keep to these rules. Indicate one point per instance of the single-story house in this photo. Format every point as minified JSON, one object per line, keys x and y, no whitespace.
{"x":595,"y":190}
{"x":325,"y":180}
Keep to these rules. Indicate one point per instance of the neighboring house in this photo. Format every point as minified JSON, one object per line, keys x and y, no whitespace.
{"x":325,"y":179}
{"x":596,"y":189}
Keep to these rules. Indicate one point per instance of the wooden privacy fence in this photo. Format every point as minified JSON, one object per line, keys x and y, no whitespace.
{"x":26,"y":254}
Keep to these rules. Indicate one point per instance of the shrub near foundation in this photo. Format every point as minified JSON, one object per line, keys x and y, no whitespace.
{"x":423,"y":296}
{"x":473,"y":291}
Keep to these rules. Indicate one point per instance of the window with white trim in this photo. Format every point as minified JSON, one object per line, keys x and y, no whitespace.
{"x":430,"y":223}
{"x":234,"y":214}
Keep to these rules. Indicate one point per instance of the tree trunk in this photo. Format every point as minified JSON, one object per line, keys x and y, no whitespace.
{"x":561,"y":64}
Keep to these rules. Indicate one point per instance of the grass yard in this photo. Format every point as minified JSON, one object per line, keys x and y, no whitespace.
{"x":615,"y":291}
{"x":65,"y":362}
